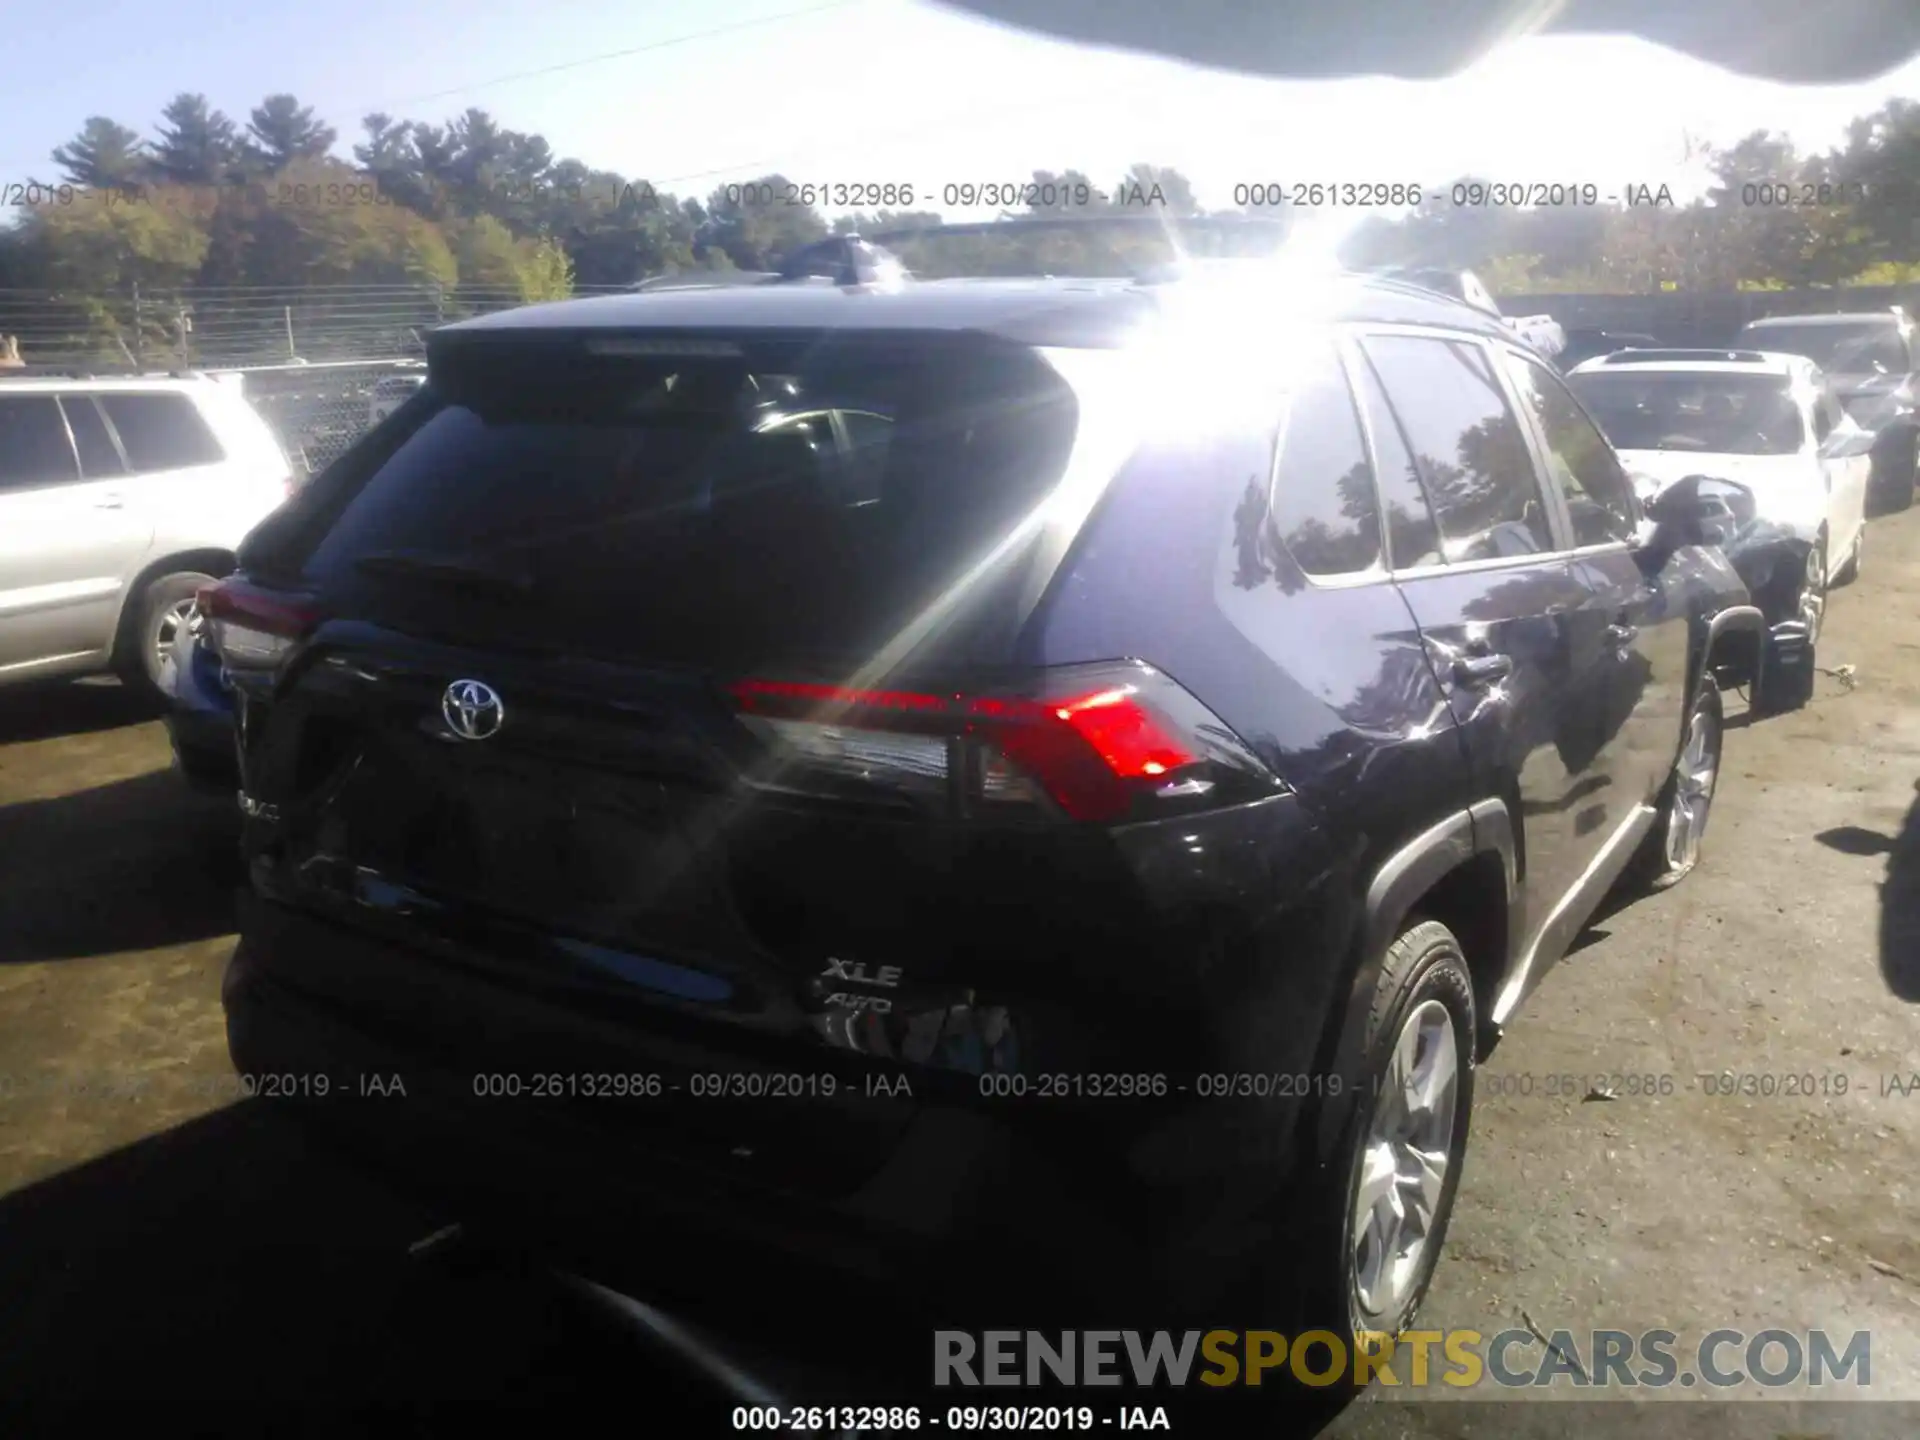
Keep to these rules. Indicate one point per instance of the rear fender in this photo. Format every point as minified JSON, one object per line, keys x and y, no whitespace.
{"x":1393,"y":895}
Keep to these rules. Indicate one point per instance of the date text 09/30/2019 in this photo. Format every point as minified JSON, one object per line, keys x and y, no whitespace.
{"x":954,"y":1419}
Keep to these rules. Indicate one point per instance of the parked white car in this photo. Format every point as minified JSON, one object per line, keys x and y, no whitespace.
{"x":119,"y":500}
{"x":1772,"y":425}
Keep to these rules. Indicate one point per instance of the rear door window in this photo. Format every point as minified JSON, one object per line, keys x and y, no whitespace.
{"x":99,"y":457}
{"x":1471,"y":452}
{"x":1413,"y":539}
{"x":817,"y":498}
{"x":34,"y":448}
{"x":161,"y":431}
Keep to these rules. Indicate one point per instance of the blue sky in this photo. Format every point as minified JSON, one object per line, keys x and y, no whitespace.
{"x":891,"y":91}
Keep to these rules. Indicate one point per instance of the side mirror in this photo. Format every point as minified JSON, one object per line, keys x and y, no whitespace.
{"x":1847,"y":441}
{"x":1697,"y":510}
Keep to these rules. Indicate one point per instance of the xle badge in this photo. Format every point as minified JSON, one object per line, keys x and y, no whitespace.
{"x":887,"y":977}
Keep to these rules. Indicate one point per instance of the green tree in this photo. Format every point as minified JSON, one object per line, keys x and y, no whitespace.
{"x":197,"y":146}
{"x":96,"y":249}
{"x":753,"y":226}
{"x":105,"y":241}
{"x":1880,"y":164}
{"x":388,"y":157}
{"x":104,"y":154}
{"x":492,"y":258}
{"x":292,"y":233}
{"x":283,"y":131}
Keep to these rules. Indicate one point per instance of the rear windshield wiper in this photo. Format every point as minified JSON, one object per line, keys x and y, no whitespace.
{"x":446,"y":570}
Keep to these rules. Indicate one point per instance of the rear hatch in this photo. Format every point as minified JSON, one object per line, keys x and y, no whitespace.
{"x":671,"y":679}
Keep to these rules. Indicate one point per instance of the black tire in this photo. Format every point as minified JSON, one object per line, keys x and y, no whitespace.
{"x":145,"y":625}
{"x":1656,"y":865}
{"x":1424,"y":965}
{"x":1896,"y":470}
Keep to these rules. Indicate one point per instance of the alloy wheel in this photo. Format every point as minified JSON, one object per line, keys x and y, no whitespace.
{"x":1813,"y":592}
{"x":1694,"y":774}
{"x":167,"y":623}
{"x":1402,"y":1173}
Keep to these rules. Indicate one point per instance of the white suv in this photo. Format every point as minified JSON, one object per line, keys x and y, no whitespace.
{"x":119,"y":499}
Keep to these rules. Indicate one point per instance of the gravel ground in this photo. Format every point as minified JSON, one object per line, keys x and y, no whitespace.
{"x":159,"y":1239}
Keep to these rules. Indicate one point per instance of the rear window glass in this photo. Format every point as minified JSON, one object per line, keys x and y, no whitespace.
{"x":1703,"y":411}
{"x":1843,"y":347}
{"x":161,"y":432}
{"x":712,"y":508}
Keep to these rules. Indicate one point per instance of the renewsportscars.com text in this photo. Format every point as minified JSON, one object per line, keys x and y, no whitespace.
{"x":1458,"y":1359}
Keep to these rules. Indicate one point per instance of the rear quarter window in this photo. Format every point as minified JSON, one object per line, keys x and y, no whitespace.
{"x":161,"y":431}
{"x":1323,"y":498}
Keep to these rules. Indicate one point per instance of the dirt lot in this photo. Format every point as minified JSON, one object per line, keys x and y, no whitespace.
{"x":158,"y":1240}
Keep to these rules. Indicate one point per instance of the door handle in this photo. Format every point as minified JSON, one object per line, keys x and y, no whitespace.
{"x":1621,"y":636}
{"x":110,"y":502}
{"x":1482,"y":669}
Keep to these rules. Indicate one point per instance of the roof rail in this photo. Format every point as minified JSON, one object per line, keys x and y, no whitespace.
{"x":846,"y":260}
{"x":705,"y":280}
{"x":1186,"y":225}
{"x":861,"y":260}
{"x":1658,"y":357}
{"x":96,"y":372}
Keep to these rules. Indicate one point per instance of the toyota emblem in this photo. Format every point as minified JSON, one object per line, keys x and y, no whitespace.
{"x":472,"y":709}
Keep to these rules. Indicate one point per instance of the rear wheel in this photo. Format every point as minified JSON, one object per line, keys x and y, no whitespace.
{"x":1375,"y":1217}
{"x":1672,"y":848}
{"x":150,"y":625}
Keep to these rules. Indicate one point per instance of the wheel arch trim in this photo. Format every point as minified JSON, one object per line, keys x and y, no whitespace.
{"x":170,"y":563}
{"x":1407,"y":873}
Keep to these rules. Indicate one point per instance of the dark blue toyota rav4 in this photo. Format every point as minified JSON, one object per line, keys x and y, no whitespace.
{"x":1071,"y":772}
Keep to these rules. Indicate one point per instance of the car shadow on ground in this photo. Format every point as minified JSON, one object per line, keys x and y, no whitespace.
{"x":1899,"y":895}
{"x":227,"y":1279}
{"x":231,"y":1277}
{"x":131,"y":865}
{"x":50,"y":709}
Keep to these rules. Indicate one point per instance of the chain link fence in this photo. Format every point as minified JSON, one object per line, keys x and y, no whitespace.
{"x":1707,"y":319}
{"x":206,"y":328}
{"x":320,"y":365}
{"x":318,"y":410}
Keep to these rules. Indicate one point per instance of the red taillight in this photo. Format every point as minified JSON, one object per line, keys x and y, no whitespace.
{"x":1097,"y":742}
{"x":253,"y":628}
{"x":1123,"y":730}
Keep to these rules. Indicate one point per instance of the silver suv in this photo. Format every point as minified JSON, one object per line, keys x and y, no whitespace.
{"x":119,"y":499}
